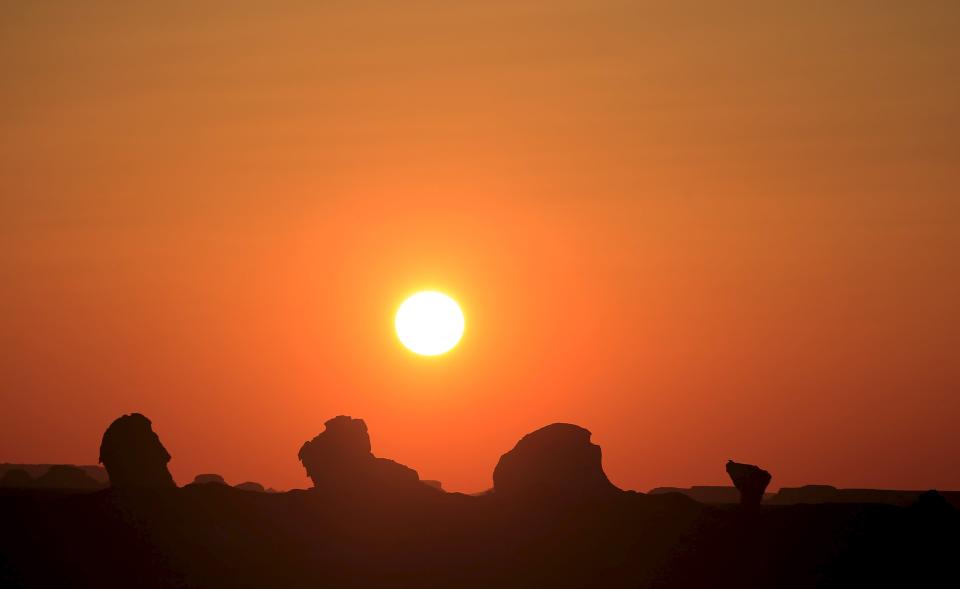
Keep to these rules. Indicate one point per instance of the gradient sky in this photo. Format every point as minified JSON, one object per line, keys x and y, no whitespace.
{"x":702,"y":230}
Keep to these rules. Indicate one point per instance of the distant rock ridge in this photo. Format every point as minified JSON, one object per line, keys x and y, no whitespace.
{"x":750,"y":480}
{"x":554,"y":462}
{"x":250,"y":486}
{"x":208,"y":479}
{"x":67,"y":476}
{"x":54,"y":476}
{"x":715,"y":494}
{"x":814,"y":494}
{"x":804,"y":494}
{"x":339,"y":459}
{"x":35,"y":471}
{"x":16,"y":478}
{"x":134,"y":456}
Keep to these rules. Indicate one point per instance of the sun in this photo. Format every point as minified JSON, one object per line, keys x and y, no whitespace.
{"x":429,"y":323}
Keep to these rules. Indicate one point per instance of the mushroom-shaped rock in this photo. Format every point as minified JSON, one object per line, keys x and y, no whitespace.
{"x":133,"y":455}
{"x":208,"y":479}
{"x":555,"y":462}
{"x":750,"y":480}
{"x":339,"y":458}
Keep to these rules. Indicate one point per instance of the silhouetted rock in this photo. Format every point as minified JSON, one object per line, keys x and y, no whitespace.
{"x":434,"y":484}
{"x":96,"y":472}
{"x":213,"y":536}
{"x":16,"y":478}
{"x":714,"y":494}
{"x":813,"y":494}
{"x":251,"y":486}
{"x":750,"y":480}
{"x":887,"y":496}
{"x":664,"y":490}
{"x":208,"y":479}
{"x":804,"y":494}
{"x":339,"y":459}
{"x":133,"y":455}
{"x":557,"y":462}
{"x":65,"y":476}
{"x":932,"y":503}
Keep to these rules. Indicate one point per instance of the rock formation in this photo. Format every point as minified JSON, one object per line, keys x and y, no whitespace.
{"x":339,"y":459}
{"x":205,"y":479}
{"x":933,"y":503}
{"x":250,"y":486}
{"x":805,"y":494}
{"x":711,"y":494}
{"x":133,"y":455}
{"x":750,"y":480}
{"x":66,"y":476}
{"x":555,"y":462}
{"x":16,"y":478}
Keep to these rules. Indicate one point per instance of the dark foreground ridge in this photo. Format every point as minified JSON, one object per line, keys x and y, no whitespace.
{"x":552,"y":519}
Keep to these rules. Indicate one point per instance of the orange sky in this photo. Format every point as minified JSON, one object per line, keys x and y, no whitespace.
{"x":702,"y":232}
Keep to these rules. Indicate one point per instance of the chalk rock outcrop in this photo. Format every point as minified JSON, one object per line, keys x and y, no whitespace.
{"x":339,"y":459}
{"x":133,"y":455}
{"x":750,"y":480}
{"x":555,"y":462}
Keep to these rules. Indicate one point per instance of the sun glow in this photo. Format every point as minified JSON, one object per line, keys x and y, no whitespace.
{"x":429,"y":323}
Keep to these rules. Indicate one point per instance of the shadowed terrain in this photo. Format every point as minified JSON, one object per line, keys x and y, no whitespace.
{"x":39,"y":475}
{"x":553,"y":519}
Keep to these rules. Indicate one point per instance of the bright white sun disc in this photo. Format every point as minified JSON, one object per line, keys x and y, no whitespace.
{"x":429,"y":323}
